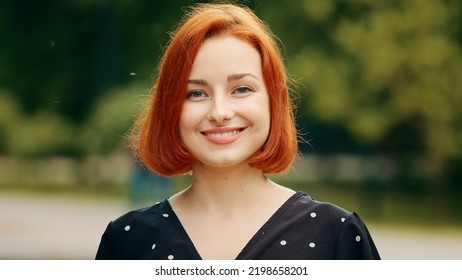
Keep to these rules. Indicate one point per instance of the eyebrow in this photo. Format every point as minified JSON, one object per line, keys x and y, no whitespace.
{"x":234,"y":77}
{"x":197,"y":82}
{"x":231,"y":78}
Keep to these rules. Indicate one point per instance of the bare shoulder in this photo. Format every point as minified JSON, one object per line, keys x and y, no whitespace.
{"x":277,"y":194}
{"x":178,"y":201}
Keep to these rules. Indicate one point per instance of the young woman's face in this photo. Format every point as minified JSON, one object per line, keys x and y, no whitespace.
{"x":226,"y":113}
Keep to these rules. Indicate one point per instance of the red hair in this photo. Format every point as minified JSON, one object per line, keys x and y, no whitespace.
{"x":155,"y":136}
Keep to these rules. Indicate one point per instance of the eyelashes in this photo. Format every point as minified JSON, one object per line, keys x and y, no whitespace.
{"x":198,"y":94}
{"x":195,"y":94}
{"x":243,"y":90}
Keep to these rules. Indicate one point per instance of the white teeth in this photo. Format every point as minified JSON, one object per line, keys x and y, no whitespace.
{"x":223,"y":135}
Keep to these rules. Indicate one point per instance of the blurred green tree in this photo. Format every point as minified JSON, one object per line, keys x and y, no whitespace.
{"x":389,"y":72}
{"x":61,"y":56}
{"x":43,"y":134}
{"x":110,"y":120}
{"x":375,"y":76}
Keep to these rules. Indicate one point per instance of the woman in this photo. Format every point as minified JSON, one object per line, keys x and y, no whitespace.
{"x":221,"y":111}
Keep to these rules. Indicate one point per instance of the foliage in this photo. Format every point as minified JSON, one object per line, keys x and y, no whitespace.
{"x":46,"y":133}
{"x":42,"y":134}
{"x":383,"y":70}
{"x":61,"y":56}
{"x":110,"y":120}
{"x":375,"y":76}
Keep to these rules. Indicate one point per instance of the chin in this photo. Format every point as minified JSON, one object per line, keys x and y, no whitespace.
{"x":224,"y":163}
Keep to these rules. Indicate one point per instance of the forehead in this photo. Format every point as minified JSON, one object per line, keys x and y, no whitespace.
{"x":226,"y":54}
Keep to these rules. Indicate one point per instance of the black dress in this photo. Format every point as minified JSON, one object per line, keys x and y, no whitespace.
{"x":301,"y":229}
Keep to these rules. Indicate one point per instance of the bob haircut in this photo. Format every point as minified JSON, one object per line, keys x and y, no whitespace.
{"x":155,"y":136}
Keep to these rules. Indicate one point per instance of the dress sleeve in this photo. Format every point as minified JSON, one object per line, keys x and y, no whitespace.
{"x":106,"y":248}
{"x":354,"y":241}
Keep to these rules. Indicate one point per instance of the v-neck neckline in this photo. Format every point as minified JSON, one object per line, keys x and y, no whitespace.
{"x":192,"y":248}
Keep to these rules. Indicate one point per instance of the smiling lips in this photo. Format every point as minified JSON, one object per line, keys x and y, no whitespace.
{"x":222,"y":135}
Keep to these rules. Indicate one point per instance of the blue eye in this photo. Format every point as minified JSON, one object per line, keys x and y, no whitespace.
{"x":195,"y":94}
{"x":243,"y":90}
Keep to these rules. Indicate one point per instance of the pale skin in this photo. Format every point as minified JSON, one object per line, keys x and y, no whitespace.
{"x":225,"y":120}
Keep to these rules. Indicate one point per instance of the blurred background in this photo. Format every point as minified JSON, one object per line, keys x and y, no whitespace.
{"x":378,"y":92}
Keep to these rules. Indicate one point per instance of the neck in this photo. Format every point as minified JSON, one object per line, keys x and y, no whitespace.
{"x":226,"y":188}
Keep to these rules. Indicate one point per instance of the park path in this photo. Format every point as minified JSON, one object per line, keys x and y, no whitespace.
{"x":59,"y":227}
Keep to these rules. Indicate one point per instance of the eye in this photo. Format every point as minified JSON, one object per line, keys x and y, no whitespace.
{"x":243,"y":90}
{"x":195,"y":95}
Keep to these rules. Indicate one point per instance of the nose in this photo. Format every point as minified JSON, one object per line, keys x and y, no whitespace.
{"x":221,"y":110}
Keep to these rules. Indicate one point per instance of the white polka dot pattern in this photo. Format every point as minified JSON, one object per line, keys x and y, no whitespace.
{"x":298,"y":230}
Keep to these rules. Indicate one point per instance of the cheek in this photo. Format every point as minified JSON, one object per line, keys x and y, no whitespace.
{"x":268,"y":123}
{"x":264,"y":113}
{"x":188,"y":120}
{"x":267,"y":118}
{"x":183,"y":127}
{"x":259,"y":114}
